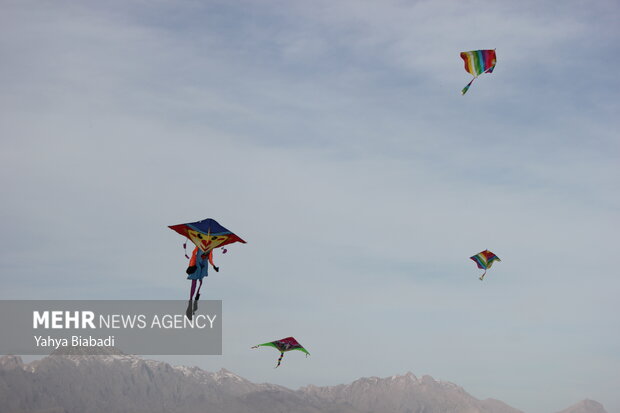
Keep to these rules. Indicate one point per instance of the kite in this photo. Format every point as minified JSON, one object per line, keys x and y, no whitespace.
{"x":206,"y":235}
{"x":484,"y":260}
{"x":478,"y":62}
{"x":284,"y":345}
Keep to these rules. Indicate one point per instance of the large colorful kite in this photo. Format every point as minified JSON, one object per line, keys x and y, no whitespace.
{"x":284,"y":345}
{"x":484,"y":260}
{"x":206,"y":234}
{"x":478,"y":62}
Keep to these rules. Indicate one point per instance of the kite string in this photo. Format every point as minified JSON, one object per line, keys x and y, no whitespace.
{"x":483,"y":274}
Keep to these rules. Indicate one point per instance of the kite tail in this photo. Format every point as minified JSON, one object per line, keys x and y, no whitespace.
{"x":279,"y":360}
{"x":483,"y":274}
{"x":466,"y":88}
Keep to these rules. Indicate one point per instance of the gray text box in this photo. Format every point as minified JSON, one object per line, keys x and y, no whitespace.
{"x":145,"y":327}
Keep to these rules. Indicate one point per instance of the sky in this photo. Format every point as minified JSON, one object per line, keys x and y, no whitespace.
{"x":332,"y":137}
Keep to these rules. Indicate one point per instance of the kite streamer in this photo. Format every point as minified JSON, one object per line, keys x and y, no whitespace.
{"x":185,"y":248}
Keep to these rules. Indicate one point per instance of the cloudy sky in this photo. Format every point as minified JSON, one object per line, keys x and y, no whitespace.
{"x":332,"y":136}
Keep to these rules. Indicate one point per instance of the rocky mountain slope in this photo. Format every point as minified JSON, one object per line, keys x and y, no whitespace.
{"x":121,"y":383}
{"x":404,"y":394}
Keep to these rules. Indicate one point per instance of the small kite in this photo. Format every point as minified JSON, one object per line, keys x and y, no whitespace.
{"x":484,"y":260}
{"x":478,"y":62}
{"x":284,"y":345}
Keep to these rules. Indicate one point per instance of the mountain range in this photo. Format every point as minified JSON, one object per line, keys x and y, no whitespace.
{"x":123,"y":383}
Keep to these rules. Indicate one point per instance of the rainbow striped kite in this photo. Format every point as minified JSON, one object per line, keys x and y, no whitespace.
{"x":484,"y":260}
{"x":478,"y":62}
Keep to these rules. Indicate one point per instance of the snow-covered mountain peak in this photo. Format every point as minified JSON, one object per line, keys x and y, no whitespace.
{"x":117,"y":382}
{"x":224,"y":374}
{"x":585,"y":406}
